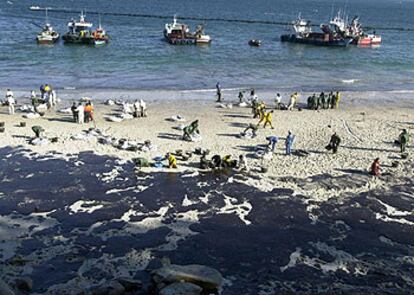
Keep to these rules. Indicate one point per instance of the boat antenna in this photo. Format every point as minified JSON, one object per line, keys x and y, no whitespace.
{"x":46,"y":19}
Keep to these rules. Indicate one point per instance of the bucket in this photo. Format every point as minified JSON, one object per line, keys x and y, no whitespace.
{"x":2,"y":129}
{"x":2,"y":124}
{"x":264,"y":169}
{"x":22,"y":124}
{"x":54,"y":139}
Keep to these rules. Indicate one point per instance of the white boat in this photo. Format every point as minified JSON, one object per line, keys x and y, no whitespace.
{"x":178,"y":33}
{"x":47,"y":35}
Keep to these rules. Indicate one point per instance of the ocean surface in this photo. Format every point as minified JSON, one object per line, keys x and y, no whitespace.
{"x":138,"y":58}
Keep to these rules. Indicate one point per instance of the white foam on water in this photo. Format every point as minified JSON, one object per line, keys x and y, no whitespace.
{"x":386,"y":218}
{"x":16,"y":226}
{"x":392,"y":211}
{"x":84,"y":206}
{"x":241,"y":210}
{"x":187,"y":202}
{"x":180,"y":229}
{"x":294,"y":258}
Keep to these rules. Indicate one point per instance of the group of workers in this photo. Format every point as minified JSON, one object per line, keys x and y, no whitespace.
{"x":273,"y":140}
{"x":323,"y":101}
{"x":82,"y":113}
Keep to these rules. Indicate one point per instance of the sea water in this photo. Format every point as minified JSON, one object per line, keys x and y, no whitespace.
{"x":138,"y":58}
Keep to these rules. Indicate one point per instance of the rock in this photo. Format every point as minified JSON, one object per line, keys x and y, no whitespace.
{"x":5,"y":289}
{"x":206,"y":277}
{"x":109,"y":288}
{"x":24,"y":284}
{"x":130,"y":284}
{"x":181,"y":288}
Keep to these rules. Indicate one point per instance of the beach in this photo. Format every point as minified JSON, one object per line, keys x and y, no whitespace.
{"x":314,"y":215}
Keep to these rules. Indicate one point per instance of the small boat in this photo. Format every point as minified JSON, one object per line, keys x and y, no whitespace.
{"x":100,"y":36}
{"x":47,"y":36}
{"x":255,"y":42}
{"x":179,"y":34}
{"x":304,"y":35}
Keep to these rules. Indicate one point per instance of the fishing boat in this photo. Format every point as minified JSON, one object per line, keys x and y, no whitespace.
{"x":179,"y":34}
{"x":80,"y":32}
{"x":303,"y":34}
{"x":360,"y":37}
{"x":100,"y":36}
{"x":47,"y":36}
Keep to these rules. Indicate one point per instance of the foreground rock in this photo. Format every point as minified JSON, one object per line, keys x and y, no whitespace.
{"x":181,"y":289}
{"x":207,"y":278}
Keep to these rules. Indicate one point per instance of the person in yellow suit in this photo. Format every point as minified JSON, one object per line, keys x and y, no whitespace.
{"x":337,"y":99}
{"x":172,"y":161}
{"x":268,"y":119}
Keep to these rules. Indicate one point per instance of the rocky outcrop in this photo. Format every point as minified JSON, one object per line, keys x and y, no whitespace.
{"x":181,"y":288}
{"x":207,"y":278}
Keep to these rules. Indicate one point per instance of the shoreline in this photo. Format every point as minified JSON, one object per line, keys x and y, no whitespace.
{"x":354,"y":99}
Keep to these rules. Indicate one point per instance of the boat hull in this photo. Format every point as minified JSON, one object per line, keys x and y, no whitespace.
{"x":317,"y":40}
{"x":47,"y":41}
{"x":187,"y":39}
{"x":87,"y":40}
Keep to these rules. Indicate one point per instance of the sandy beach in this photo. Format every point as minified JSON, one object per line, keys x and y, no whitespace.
{"x":305,"y":213}
{"x":367,"y":127}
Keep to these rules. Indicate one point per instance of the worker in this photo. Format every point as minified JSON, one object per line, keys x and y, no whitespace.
{"x":376,"y":168}
{"x":292,"y":102}
{"x":74,"y":112}
{"x":240,"y":97}
{"x":278,"y":101}
{"x":268,"y":119}
{"x":272,"y":141}
{"x":334,"y":143}
{"x":260,"y":111}
{"x":289,"y":143}
{"x":403,"y":140}
{"x":88,"y":112}
{"x":172,"y":161}
{"x":81,"y":113}
{"x":38,"y":130}
{"x":190,"y":130}
{"x":243,"y":166}
{"x":322,"y":100}
{"x":329,"y":100}
{"x":253,"y":128}
{"x":218,"y":92}
{"x":227,"y":162}
{"x":143,"y":108}
{"x":337,"y":99}
{"x":10,"y":101}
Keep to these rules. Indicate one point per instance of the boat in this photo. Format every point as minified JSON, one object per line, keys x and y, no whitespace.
{"x":80,"y":32}
{"x":355,"y":31}
{"x":303,"y":34}
{"x":47,"y":36}
{"x":179,"y":34}
{"x":361,"y":38}
{"x":100,"y":36}
{"x":255,"y":42}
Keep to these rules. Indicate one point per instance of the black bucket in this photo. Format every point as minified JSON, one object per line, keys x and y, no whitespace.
{"x":2,"y":129}
{"x":22,"y":124}
{"x":2,"y":124}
